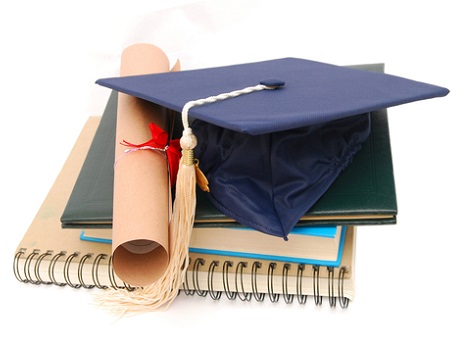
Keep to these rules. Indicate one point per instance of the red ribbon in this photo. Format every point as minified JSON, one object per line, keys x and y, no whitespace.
{"x":159,"y":142}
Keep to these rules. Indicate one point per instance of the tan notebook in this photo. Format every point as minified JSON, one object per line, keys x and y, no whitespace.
{"x":48,"y":254}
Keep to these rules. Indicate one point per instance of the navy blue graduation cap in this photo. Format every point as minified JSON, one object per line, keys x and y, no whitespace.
{"x":278,"y":132}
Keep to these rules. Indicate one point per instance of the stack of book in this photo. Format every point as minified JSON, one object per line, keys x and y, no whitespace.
{"x":69,"y":241}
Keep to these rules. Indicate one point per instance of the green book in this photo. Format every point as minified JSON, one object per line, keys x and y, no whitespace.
{"x":90,"y":203}
{"x":363,"y":194}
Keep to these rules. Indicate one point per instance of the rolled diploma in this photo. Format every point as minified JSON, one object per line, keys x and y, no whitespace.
{"x":142,"y":198}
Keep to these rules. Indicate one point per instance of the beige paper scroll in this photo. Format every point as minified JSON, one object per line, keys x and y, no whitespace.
{"x":142,"y":200}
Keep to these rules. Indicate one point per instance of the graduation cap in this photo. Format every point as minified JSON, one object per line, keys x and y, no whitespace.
{"x":272,"y":136}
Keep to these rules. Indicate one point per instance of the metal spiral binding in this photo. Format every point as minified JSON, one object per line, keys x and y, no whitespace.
{"x":67,"y":263}
{"x":244,"y":296}
{"x":51,"y":267}
{"x":27,"y":269}
{"x":17,"y":256}
{"x":316,"y":295}
{"x":186,"y":287}
{"x":342,"y":299}
{"x":95,"y":271}
{"x":37,"y":268}
{"x":274,"y":297}
{"x":301,"y":298}
{"x":259,"y":297}
{"x":330,"y":287}
{"x":31,"y":269}
{"x":230,"y":295}
{"x":196,"y":285}
{"x":288,"y":296}
{"x":81,"y":263}
{"x":30,"y":273}
{"x":215,"y":295}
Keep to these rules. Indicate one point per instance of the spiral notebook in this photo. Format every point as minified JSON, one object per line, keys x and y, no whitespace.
{"x":48,"y":254}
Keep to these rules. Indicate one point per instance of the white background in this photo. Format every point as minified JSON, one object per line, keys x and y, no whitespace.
{"x":407,"y":274}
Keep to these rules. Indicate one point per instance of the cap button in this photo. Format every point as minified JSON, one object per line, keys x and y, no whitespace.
{"x":273,"y":83}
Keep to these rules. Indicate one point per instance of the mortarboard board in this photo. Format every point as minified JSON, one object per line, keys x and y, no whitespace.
{"x":269,"y":155}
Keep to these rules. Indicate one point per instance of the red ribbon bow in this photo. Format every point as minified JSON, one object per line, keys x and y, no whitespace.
{"x":159,"y":142}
